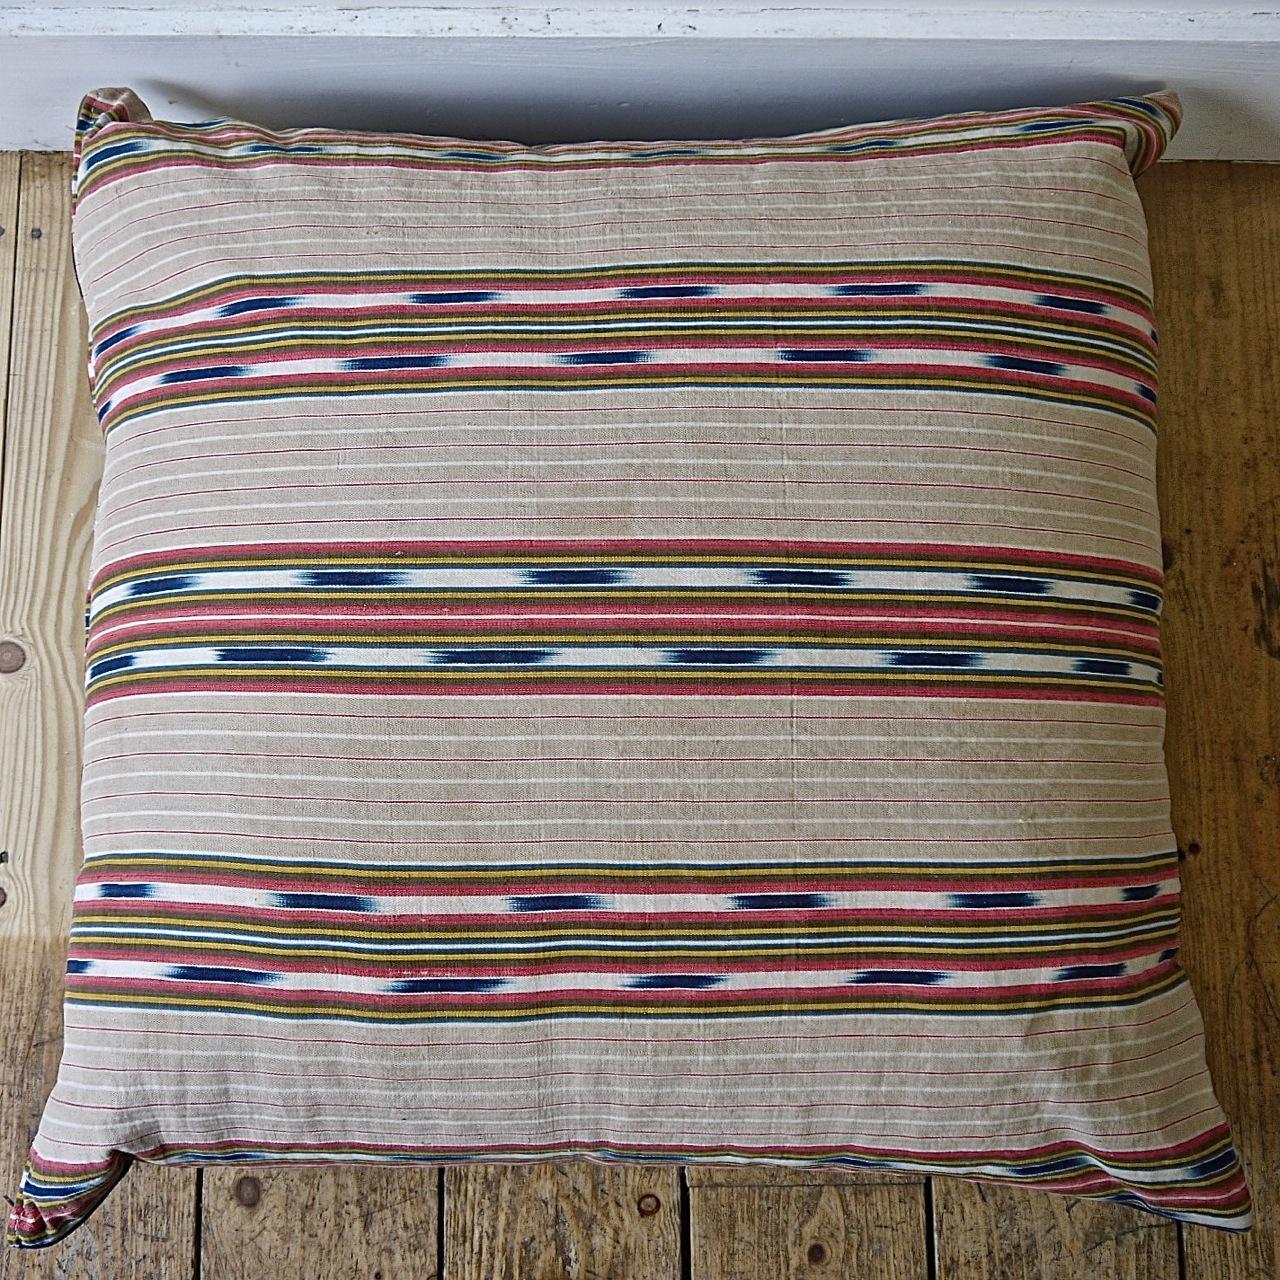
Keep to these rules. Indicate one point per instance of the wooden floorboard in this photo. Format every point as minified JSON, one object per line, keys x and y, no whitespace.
{"x":577,"y":1221}
{"x":319,"y":1224}
{"x":52,"y":463}
{"x":1216,"y":254}
{"x":1215,"y":231}
{"x":993,"y":1233}
{"x":805,"y":1224}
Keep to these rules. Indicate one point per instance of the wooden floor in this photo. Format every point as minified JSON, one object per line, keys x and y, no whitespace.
{"x":1216,"y":242}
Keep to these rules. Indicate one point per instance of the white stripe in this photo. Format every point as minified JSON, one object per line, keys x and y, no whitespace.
{"x":616,"y":901}
{"x":117,"y":359}
{"x":324,"y":982}
{"x":623,"y":657}
{"x":656,"y":360}
{"x":706,"y":577}
{"x":119,"y":630}
{"x":653,"y":951}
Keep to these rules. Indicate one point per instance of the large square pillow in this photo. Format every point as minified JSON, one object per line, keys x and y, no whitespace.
{"x":644,"y":651}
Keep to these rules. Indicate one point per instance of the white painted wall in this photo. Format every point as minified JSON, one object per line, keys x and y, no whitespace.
{"x":638,"y":68}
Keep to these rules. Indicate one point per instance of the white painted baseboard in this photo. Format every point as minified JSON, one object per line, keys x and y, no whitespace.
{"x":638,"y":68}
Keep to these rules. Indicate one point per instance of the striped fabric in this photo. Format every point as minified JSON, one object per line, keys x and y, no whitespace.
{"x":646,"y":651}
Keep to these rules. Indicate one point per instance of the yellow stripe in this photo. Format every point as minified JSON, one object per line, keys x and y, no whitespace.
{"x":622,"y":932}
{"x":729,"y":558}
{"x":866,"y":380}
{"x":580,"y":639}
{"x":647,"y":312}
{"x":854,"y":955}
{"x":630,"y":675}
{"x":906,"y":871}
{"x":1020,"y":274}
{"x":622,"y":1010}
{"x":627,"y":596}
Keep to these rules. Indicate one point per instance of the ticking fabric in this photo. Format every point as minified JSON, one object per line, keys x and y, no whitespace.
{"x":645,"y":651}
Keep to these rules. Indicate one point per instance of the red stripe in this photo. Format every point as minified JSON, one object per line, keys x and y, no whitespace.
{"x":501,"y":924}
{"x":502,"y":550}
{"x":712,"y":717}
{"x":111,"y":376}
{"x":341,"y":619}
{"x":393,"y":965}
{"x":709,"y":308}
{"x":788,"y":684}
{"x":514,"y":883}
{"x":503,"y":376}
{"x":499,"y":1002}
{"x":609,"y":281}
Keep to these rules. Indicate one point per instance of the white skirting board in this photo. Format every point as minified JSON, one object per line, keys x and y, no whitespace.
{"x":638,"y":68}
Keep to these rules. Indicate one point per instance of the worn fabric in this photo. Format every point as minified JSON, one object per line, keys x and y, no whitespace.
{"x":645,"y":651}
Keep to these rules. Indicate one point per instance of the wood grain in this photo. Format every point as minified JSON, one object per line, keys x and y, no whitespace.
{"x":319,"y":1224}
{"x":52,"y":462}
{"x":1216,"y":250}
{"x":573,"y":1221}
{"x":1009,"y":1233}
{"x":807,"y":1223}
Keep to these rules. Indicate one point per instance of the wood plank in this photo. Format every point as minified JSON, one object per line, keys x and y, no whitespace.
{"x":52,"y":462}
{"x":572,"y":1221}
{"x":322,"y":1224}
{"x":1216,"y":245}
{"x":989,"y":1232}
{"x":1214,"y":240}
{"x":812,"y":1223}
